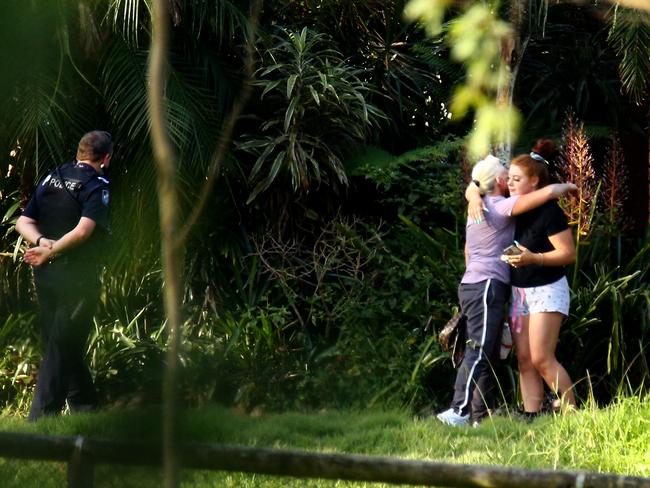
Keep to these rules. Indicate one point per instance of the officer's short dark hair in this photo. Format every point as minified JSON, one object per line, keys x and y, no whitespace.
{"x":94,"y":145}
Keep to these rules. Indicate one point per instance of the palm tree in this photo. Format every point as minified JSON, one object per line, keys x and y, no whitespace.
{"x":87,"y":69}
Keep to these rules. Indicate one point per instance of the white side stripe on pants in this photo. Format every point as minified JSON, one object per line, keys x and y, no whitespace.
{"x":470,"y":383}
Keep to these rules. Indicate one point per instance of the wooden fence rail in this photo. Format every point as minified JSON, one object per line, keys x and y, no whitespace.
{"x":82,"y":453}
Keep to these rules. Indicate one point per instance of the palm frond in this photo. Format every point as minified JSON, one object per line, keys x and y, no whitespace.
{"x":630,"y":36}
{"x":226,"y":19}
{"x":124,"y":85}
{"x":128,"y":18}
{"x":48,"y":127}
{"x":42,"y":105}
{"x":194,"y":113}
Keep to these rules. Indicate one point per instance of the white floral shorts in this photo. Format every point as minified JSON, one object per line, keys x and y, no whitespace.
{"x":553,"y":297}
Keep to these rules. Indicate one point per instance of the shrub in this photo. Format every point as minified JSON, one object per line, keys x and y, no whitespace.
{"x":360,"y":300}
{"x":18,"y":363}
{"x":318,"y":112}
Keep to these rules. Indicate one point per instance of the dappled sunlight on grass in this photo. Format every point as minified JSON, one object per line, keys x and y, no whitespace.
{"x":613,"y":439}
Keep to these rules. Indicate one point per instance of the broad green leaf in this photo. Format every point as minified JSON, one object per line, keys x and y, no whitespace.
{"x":288,"y":118}
{"x":290,"y":84}
{"x":270,"y":69}
{"x":314,"y":95}
{"x":10,"y":212}
{"x":260,"y":160}
{"x":275,"y":169}
{"x":270,"y":87}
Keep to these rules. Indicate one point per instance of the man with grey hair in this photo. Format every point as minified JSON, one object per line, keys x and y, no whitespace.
{"x":67,"y":221}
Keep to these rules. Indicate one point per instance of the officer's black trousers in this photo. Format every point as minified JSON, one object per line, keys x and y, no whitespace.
{"x":66,"y":311}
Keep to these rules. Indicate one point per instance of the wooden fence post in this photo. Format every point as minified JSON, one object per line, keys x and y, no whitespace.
{"x":81,"y":466}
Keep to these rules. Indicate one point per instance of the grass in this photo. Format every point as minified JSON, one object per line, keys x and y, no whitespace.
{"x":615,"y":439}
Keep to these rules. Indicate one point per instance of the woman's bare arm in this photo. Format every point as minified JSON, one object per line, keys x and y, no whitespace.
{"x":563,"y":253}
{"x":539,"y":197}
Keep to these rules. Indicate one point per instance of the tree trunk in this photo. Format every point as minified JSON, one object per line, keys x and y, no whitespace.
{"x":171,"y":247}
{"x":512,"y":52}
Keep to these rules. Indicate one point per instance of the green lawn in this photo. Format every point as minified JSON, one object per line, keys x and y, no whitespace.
{"x":615,"y":439}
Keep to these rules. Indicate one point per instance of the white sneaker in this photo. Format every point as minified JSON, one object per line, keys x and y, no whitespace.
{"x":450,"y":417}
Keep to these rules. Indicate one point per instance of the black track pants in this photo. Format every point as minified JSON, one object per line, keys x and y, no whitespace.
{"x":483,"y":304}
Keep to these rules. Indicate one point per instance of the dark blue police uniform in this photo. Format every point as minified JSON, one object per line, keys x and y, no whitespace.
{"x":68,"y":287}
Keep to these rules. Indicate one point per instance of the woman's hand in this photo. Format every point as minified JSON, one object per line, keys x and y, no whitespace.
{"x":475,"y":209}
{"x":560,"y":189}
{"x":526,"y":258}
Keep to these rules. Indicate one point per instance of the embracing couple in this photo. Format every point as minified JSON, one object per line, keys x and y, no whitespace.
{"x":531,"y":276}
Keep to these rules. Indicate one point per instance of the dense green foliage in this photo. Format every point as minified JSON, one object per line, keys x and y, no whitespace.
{"x":330,"y":250}
{"x":605,"y":337}
{"x":321,"y":112}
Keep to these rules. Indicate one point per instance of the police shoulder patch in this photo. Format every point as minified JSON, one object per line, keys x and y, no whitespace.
{"x":106,"y":197}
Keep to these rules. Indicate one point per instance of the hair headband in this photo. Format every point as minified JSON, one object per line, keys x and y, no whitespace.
{"x":538,"y":157}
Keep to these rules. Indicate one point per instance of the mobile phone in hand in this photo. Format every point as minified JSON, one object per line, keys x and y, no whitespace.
{"x":512,"y":250}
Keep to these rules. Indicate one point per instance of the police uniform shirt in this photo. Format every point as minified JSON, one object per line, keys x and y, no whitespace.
{"x":65,"y":195}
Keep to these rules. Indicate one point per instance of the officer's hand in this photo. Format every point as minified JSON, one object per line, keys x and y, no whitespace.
{"x":45,"y":242}
{"x":37,"y":256}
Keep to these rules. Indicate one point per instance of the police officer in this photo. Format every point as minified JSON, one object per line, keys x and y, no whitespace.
{"x":67,"y":221}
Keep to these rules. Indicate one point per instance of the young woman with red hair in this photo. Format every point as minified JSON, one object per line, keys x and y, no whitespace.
{"x":540,"y":291}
